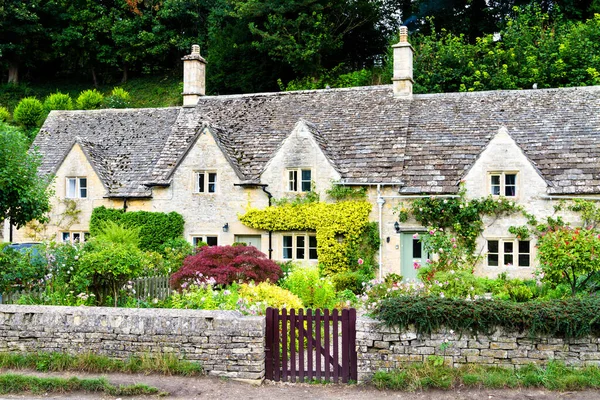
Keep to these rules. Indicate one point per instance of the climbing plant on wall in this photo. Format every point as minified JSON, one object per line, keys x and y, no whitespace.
{"x":454,"y":225}
{"x":339,"y":227}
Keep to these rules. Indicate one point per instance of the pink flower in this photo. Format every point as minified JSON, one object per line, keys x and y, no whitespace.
{"x":416,"y":265}
{"x":361,"y":261}
{"x":416,"y":236}
{"x":431,"y":232}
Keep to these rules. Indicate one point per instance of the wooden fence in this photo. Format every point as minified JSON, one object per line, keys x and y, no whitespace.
{"x":305,"y":347}
{"x":151,"y":287}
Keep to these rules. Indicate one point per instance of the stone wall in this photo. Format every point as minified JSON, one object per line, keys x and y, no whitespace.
{"x":381,"y":348}
{"x":224,"y":342}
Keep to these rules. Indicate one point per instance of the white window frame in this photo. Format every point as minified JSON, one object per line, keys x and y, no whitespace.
{"x":69,"y":236}
{"x":81,"y":191}
{"x":204,"y":238}
{"x":295,"y":181}
{"x":295,"y":248}
{"x":504,"y":252}
{"x":502,"y":183}
{"x":207,"y":182}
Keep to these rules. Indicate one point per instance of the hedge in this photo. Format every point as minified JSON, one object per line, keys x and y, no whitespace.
{"x":570,"y":318}
{"x":156,"y":228}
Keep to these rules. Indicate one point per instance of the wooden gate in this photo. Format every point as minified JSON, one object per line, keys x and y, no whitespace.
{"x":312,"y":346}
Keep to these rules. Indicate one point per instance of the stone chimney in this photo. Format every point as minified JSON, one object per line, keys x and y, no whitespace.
{"x":403,"y":66}
{"x":194,"y":77}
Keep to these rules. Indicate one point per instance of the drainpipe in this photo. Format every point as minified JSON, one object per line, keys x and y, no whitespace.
{"x":10,"y":230}
{"x":125,"y":204}
{"x":270,"y":196}
{"x":380,"y":203}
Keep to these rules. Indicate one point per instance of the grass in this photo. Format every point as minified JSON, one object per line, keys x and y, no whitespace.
{"x":555,"y":376}
{"x":165,"y":364}
{"x":12,"y":383}
{"x":145,"y":91}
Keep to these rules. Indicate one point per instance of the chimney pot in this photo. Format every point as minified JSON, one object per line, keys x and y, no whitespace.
{"x":403,"y":34}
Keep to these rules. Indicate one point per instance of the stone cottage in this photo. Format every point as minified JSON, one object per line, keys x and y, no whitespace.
{"x":216,"y":155}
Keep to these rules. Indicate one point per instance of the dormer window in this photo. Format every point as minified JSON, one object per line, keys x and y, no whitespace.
{"x":206,"y":182}
{"x":503,"y":184}
{"x":299,"y":180}
{"x":76,"y":188}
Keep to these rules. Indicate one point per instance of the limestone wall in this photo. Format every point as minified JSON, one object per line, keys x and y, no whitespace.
{"x":381,"y":348}
{"x":224,"y":342}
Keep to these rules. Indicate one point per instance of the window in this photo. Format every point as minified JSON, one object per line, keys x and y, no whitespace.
{"x":76,"y":188}
{"x":299,"y":180}
{"x":299,"y":247}
{"x":208,"y":239}
{"x":206,"y":182}
{"x":509,"y":252}
{"x":74,"y":237}
{"x":503,"y":184}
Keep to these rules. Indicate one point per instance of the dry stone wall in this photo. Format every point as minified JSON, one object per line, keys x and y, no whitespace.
{"x":225,"y":342}
{"x":383,"y":348}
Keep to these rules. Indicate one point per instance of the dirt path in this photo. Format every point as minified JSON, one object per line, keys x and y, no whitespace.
{"x":180,"y":388}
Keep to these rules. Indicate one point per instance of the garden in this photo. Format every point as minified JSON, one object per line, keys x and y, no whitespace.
{"x":127,"y":248}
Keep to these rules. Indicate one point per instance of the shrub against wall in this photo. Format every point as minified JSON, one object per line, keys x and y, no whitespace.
{"x":156,"y":228}
{"x":558,"y":318}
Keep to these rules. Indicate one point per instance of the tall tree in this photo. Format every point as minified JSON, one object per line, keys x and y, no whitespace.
{"x":24,"y":195}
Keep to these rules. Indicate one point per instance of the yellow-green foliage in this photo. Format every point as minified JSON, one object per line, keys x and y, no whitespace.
{"x":346,"y":219}
{"x":270,"y":294}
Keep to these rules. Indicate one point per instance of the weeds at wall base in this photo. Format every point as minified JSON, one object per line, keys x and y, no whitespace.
{"x":422,"y":376}
{"x":165,"y":364}
{"x":13,"y":383}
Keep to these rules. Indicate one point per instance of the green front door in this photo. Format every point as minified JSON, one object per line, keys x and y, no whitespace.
{"x":411,"y":252}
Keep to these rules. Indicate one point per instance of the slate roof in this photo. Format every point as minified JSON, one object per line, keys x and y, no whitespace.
{"x":427,"y":144}
{"x":122,"y":145}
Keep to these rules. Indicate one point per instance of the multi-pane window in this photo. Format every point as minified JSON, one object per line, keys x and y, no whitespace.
{"x":74,"y":237}
{"x":299,"y":180}
{"x":76,"y":188}
{"x":206,"y":182}
{"x":503,"y":184}
{"x":509,"y":252}
{"x":211,"y":240}
{"x":299,"y":247}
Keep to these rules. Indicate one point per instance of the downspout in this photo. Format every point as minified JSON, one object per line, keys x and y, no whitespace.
{"x":380,"y":203}
{"x":270,"y":196}
{"x":10,"y":230}
{"x":125,"y":204}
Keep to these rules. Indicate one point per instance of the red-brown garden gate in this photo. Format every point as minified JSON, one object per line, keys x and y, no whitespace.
{"x":311,"y":346}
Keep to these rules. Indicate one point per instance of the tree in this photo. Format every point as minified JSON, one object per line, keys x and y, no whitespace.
{"x":24,"y":195}
{"x":571,"y":255}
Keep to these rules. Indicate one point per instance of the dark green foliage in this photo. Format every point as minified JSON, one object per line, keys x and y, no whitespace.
{"x":155,"y":228}
{"x":560,"y":318}
{"x":21,"y":270}
{"x":361,"y":253}
{"x":341,"y":193}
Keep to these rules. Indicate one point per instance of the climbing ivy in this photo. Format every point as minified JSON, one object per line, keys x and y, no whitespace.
{"x":455,"y":223}
{"x":339,"y":227}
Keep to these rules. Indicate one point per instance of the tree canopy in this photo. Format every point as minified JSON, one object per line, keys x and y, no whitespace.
{"x":251,"y":44}
{"x":24,"y":195}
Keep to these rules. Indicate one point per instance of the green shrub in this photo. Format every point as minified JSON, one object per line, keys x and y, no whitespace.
{"x":314,"y":290}
{"x":206,"y":297}
{"x":156,"y":228}
{"x":89,"y":100}
{"x":560,"y":318}
{"x":112,"y":232}
{"x":58,"y":101}
{"x":21,"y":270}
{"x":106,"y":267}
{"x":29,"y":112}
{"x":173,"y":252}
{"x":118,"y":98}
{"x":4,"y":114}
{"x":349,"y":280}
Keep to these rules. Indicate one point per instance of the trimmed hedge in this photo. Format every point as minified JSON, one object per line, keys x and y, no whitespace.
{"x":570,"y":318}
{"x":156,"y":228}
